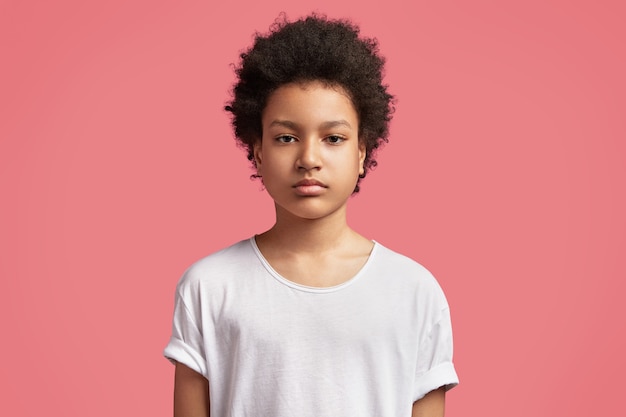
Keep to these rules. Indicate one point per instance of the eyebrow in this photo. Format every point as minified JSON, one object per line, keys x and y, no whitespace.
{"x":326,"y":125}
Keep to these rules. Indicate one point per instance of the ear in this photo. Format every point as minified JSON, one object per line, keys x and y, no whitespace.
{"x":362,"y":154}
{"x":258,"y":155}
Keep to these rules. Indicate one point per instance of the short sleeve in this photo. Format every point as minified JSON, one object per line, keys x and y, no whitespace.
{"x":434,"y":363}
{"x":186,"y":343}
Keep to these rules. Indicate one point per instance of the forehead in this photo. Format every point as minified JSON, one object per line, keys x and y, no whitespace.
{"x":309,"y":102}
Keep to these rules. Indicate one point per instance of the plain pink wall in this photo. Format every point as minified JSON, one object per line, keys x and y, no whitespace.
{"x":505,"y":175}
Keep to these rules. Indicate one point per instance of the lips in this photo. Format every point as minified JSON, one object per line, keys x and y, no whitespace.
{"x":310,"y":182}
{"x":310,"y":187}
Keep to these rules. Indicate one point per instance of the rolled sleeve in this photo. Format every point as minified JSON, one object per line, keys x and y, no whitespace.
{"x":186,"y":343}
{"x":435,"y":368}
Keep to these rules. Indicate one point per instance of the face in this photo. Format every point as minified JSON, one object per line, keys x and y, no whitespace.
{"x":309,"y":156}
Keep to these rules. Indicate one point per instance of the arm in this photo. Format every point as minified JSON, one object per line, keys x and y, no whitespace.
{"x":431,"y":405}
{"x":191,"y":393}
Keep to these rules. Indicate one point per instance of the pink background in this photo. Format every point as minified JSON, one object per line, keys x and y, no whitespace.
{"x":505,"y":176}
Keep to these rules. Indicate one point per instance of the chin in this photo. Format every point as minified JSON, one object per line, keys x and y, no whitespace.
{"x":310,"y":211}
{"x":308,"y":214}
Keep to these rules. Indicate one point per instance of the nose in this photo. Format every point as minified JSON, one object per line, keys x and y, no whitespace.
{"x":309,"y":157}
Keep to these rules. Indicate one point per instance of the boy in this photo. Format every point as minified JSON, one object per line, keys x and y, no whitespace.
{"x":310,"y":318}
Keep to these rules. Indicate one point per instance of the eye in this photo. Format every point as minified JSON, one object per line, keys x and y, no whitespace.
{"x":285,"y":139}
{"x":335,"y":140}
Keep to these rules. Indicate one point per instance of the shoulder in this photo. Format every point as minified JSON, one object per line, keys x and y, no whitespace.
{"x":401,"y":266}
{"x":217,"y":267}
{"x":408,"y":275}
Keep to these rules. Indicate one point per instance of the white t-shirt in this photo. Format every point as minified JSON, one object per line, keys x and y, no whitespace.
{"x":270,"y":347}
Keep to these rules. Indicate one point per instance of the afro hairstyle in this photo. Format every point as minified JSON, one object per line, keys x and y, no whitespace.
{"x":313,"y":48}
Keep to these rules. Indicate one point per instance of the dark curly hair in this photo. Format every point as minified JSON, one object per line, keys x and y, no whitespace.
{"x":314,"y":48}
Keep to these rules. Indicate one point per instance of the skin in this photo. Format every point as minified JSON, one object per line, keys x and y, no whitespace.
{"x":191,"y":393}
{"x":310,"y":133}
{"x":431,"y":405}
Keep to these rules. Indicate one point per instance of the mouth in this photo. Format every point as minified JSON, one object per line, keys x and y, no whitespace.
{"x":310,"y":187}
{"x":310,"y":182}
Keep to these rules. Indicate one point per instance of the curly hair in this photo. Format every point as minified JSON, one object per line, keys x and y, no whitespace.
{"x":312,"y":49}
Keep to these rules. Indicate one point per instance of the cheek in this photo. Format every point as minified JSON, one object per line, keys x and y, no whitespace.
{"x":351,"y":165}
{"x":275,"y":167}
{"x":271,"y":162}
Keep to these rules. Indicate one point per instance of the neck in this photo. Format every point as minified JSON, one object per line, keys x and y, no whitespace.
{"x":294,"y":234}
